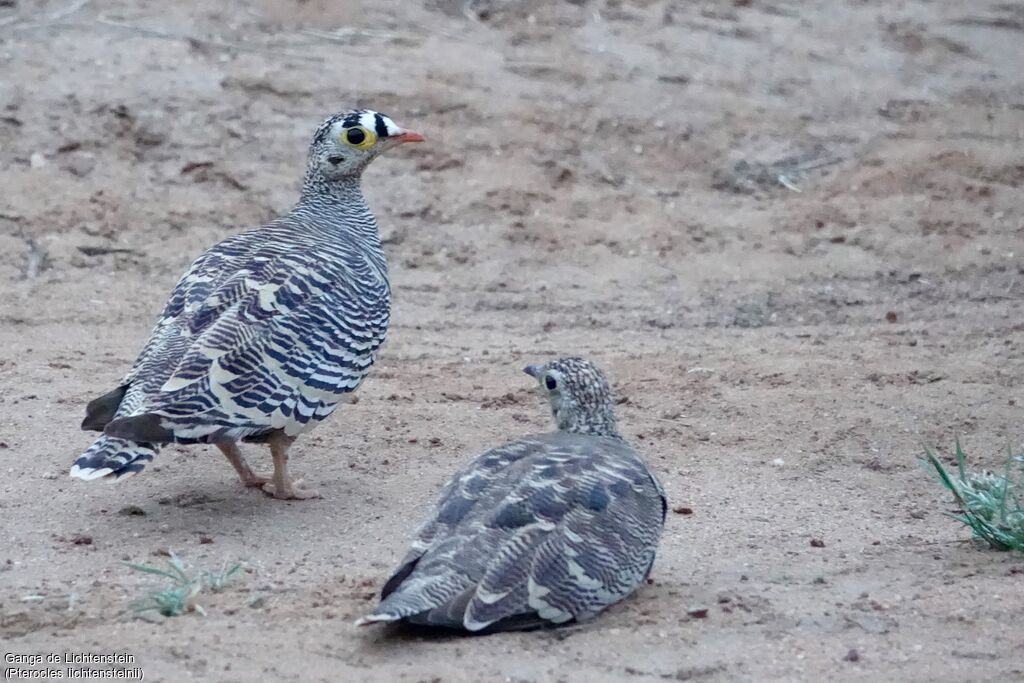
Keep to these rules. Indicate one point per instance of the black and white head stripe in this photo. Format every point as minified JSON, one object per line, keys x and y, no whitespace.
{"x":380,"y":124}
{"x":371,"y":120}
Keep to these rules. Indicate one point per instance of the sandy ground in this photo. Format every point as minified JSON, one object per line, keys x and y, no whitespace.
{"x":789,"y":231}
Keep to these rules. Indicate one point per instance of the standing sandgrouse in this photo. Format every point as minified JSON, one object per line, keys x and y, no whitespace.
{"x":545,"y":530}
{"x":267,"y":330}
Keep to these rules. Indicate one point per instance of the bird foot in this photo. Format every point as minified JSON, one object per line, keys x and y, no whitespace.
{"x":291,"y":491}
{"x":257,"y":480}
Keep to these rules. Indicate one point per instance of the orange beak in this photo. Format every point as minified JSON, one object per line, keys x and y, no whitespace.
{"x":407,"y":136}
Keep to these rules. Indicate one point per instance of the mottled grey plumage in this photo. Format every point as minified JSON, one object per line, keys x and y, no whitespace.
{"x":545,"y":530}
{"x":267,"y":330}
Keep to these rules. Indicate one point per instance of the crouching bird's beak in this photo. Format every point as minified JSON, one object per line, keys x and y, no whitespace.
{"x":532,"y":370}
{"x":407,"y":136}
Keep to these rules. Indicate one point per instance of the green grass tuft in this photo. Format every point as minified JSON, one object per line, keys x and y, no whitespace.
{"x":990,"y":504}
{"x":183,"y":588}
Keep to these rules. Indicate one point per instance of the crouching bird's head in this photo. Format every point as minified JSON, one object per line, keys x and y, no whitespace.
{"x":578,"y":392}
{"x":345,"y":143}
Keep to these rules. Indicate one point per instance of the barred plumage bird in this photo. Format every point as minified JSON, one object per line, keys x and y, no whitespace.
{"x":546,"y":530}
{"x":267,"y":331}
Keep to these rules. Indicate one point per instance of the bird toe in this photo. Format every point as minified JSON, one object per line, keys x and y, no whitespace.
{"x":291,"y":491}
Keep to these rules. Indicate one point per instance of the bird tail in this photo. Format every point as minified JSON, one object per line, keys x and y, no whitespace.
{"x":434,"y":602}
{"x":113,"y":458}
{"x":371,"y":618}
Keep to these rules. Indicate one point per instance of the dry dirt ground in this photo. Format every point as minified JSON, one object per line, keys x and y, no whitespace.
{"x":791,"y":232}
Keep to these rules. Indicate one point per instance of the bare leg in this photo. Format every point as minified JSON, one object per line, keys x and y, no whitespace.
{"x":234,"y":455}
{"x":283,"y":487}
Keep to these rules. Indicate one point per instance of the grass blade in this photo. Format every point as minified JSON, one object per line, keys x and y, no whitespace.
{"x":989,"y":503}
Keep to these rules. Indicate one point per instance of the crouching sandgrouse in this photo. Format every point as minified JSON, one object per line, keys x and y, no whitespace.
{"x":266,"y":331}
{"x":542,"y":531}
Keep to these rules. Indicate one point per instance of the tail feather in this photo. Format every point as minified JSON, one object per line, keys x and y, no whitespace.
{"x":113,"y":458}
{"x":448,"y":613}
{"x":102,"y":410}
{"x":368,"y":619}
{"x":427,"y":600}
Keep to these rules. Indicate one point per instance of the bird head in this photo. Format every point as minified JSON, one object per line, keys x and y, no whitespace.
{"x":347,"y":142}
{"x":579,"y":396}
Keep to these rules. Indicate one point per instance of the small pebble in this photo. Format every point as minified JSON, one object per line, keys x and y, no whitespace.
{"x":682,"y":510}
{"x":81,"y":539}
{"x":852,"y":656}
{"x":817,"y":543}
{"x":778,"y":462}
{"x":80,"y":164}
{"x":697,"y":612}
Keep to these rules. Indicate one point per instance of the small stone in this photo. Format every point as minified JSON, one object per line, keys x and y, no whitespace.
{"x":778,"y":462}
{"x":37,"y":160}
{"x":205,"y":540}
{"x":891,"y":316}
{"x":81,"y":539}
{"x":49,"y":475}
{"x":698,"y":612}
{"x":257,"y":602}
{"x":682,"y":510}
{"x":80,"y":164}
{"x":132,"y":511}
{"x":817,"y":543}
{"x":852,"y":656}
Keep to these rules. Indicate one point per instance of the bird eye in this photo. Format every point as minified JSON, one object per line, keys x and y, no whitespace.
{"x":358,"y":137}
{"x":551,"y":383}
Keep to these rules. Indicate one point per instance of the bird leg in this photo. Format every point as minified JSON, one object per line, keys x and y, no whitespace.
{"x":233,"y":453}
{"x":283,"y":487}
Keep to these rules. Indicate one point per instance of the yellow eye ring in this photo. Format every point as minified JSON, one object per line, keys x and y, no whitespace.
{"x":358,"y":137}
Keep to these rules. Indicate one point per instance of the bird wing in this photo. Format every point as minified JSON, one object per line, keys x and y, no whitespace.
{"x":166,"y":344}
{"x":262,"y":335}
{"x":436,"y":582}
{"x":543,"y":530}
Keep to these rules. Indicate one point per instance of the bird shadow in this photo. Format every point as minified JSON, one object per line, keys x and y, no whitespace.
{"x":395,"y":637}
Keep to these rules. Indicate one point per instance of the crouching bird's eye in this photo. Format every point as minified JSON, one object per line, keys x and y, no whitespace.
{"x":358,"y":137}
{"x":551,"y":383}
